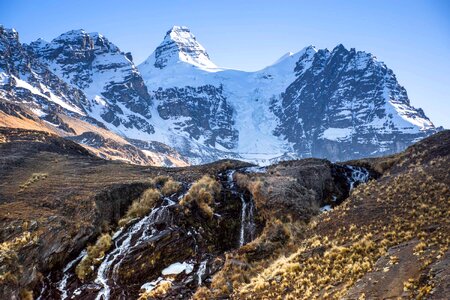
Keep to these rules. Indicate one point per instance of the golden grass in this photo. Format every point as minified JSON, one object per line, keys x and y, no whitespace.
{"x":170,"y":187}
{"x":160,"y":180}
{"x":141,"y":206}
{"x":350,"y":252}
{"x":95,"y":255}
{"x":9,"y":256}
{"x":26,"y":295}
{"x":162,"y":288}
{"x":201,"y":195}
{"x":34,"y":178}
{"x":325,"y":258}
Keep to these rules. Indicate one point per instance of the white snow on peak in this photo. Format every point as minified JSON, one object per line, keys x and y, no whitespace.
{"x":71,"y":34}
{"x":249,"y":93}
{"x":179,"y":46}
{"x":289,"y":54}
{"x":10,"y":33}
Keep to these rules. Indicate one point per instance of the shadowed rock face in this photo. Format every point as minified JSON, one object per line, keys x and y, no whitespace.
{"x":296,"y":190}
{"x":342,"y":106}
{"x":202,"y":112}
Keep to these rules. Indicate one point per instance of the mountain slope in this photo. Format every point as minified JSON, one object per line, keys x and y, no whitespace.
{"x":348,"y":104}
{"x":108,"y":77}
{"x":387,"y":240}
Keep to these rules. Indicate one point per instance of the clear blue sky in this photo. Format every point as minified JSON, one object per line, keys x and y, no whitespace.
{"x":411,"y":37}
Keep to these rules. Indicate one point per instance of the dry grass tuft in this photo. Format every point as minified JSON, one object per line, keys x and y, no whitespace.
{"x":141,"y":206}
{"x":160,"y":180}
{"x":201,"y":195}
{"x":26,"y":295}
{"x":162,"y":288}
{"x":10,"y":269}
{"x":34,"y":178}
{"x":95,"y":255}
{"x":171,"y":187}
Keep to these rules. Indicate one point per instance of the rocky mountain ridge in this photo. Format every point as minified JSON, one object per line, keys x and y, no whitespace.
{"x":340,"y":104}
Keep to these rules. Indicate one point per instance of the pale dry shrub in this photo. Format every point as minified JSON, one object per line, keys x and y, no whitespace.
{"x":159,"y":291}
{"x":202,"y":194}
{"x":160,"y":180}
{"x":141,"y":206}
{"x":95,"y":255}
{"x":170,"y":187}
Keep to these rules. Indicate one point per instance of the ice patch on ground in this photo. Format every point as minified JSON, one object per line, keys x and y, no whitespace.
{"x":177,"y":268}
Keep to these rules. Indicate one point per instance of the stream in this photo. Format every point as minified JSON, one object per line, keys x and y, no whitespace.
{"x":160,"y":229}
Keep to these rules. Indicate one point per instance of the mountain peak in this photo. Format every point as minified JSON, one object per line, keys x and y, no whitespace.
{"x":180,"y":45}
{"x":339,"y":48}
{"x":76,"y":40}
{"x":72,"y":34}
{"x":9,"y":33}
{"x":178,"y":29}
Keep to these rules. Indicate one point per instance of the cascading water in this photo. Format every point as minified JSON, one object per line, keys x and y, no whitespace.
{"x":62,"y":286}
{"x":247,"y":221}
{"x":201,"y":272}
{"x":153,"y":229}
{"x":247,"y":229}
{"x":243,"y":221}
{"x":125,"y":245}
{"x":357,"y":175}
{"x":124,"y":241}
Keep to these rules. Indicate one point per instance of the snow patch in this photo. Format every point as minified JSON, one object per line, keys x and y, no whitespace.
{"x":177,"y":268}
{"x":337,"y":134}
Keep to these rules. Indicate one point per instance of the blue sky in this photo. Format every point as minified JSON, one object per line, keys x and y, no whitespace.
{"x":411,"y":37}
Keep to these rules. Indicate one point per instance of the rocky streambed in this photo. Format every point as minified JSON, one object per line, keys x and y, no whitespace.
{"x":166,"y":245}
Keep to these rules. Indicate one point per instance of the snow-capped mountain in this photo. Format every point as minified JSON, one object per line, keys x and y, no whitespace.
{"x":344,"y":104}
{"x":52,"y":87}
{"x":107,"y":76}
{"x":340,"y":104}
{"x":24,"y":78}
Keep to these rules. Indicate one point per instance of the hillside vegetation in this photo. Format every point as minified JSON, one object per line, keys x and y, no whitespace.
{"x":389,"y":239}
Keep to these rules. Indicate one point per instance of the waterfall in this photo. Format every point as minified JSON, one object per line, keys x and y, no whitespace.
{"x":105,"y":283}
{"x":62,"y":285}
{"x":357,"y":175}
{"x":247,"y":221}
{"x":247,"y":229}
{"x":115,"y":257}
{"x":201,"y":271}
{"x":243,"y":221}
